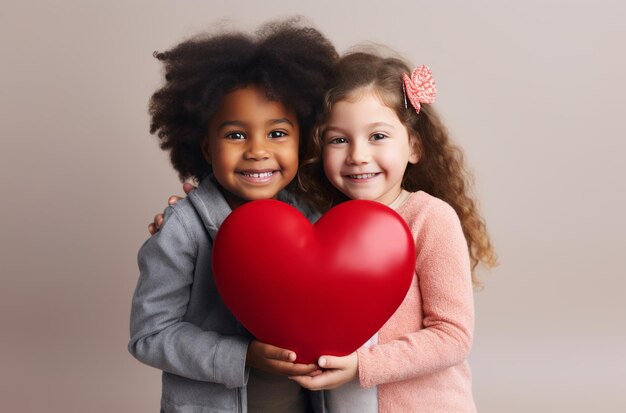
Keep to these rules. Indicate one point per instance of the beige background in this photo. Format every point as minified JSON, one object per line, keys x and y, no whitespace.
{"x":533,"y":90}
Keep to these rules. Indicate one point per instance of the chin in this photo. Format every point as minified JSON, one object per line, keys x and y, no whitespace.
{"x":362,"y":196}
{"x":258,"y":195}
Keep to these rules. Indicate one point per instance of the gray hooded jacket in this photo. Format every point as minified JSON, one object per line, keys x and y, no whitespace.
{"x":179,"y":323}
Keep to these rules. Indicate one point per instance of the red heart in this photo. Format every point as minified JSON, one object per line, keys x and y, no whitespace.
{"x":314,"y":289}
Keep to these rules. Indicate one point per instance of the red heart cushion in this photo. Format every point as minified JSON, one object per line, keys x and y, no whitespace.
{"x":314,"y":289}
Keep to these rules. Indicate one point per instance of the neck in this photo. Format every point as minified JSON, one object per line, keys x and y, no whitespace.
{"x":399,"y":201}
{"x":232,"y":200}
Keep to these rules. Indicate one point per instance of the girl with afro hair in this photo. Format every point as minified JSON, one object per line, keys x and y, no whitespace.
{"x":234,"y":111}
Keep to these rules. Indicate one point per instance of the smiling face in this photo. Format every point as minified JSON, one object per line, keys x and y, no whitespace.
{"x":366,"y":149}
{"x":252,"y":145}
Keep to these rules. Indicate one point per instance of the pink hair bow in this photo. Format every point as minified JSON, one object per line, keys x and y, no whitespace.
{"x":420,"y":87}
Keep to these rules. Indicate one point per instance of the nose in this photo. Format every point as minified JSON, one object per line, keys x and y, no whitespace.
{"x":358,"y":153}
{"x":257,"y":148}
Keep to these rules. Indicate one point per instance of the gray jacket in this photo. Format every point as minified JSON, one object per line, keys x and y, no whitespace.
{"x":179,"y":323}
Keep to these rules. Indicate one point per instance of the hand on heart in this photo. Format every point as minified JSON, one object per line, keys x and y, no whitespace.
{"x":316,"y":289}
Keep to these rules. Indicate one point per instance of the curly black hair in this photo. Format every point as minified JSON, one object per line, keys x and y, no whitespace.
{"x":292,"y":63}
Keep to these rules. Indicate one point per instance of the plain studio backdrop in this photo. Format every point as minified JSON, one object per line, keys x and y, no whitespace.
{"x":533,"y":91}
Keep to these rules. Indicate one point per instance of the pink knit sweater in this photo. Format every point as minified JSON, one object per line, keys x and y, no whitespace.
{"x":419,"y":363}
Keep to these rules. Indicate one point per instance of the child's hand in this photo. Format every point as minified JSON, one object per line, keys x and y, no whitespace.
{"x":276,"y":360}
{"x":155,"y":225}
{"x":336,"y":371}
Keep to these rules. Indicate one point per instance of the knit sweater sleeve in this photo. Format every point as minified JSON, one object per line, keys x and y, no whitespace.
{"x":445,"y":286}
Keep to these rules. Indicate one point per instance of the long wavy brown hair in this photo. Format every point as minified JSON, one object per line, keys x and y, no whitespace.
{"x":440,"y":170}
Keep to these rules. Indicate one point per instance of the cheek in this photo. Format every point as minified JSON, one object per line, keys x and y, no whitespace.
{"x":393,"y":157}
{"x":402,"y":152}
{"x":392,"y":160}
{"x":222,"y":156}
{"x":333,"y":161}
{"x":330,"y":161}
{"x":289,"y":154}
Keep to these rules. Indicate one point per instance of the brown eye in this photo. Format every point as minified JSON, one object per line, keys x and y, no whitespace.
{"x":235,"y":136}
{"x":338,"y":140}
{"x":277,"y":134}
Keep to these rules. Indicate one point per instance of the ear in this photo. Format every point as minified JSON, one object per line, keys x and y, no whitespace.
{"x":205,"y":147}
{"x":415,"y":149}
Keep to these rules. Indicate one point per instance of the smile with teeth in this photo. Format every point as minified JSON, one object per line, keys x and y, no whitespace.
{"x":363,"y":176}
{"x":258,"y":175}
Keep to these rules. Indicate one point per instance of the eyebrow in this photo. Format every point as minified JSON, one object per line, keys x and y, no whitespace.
{"x":280,"y":120}
{"x":244,"y":124}
{"x":370,"y":125}
{"x":381,"y":124}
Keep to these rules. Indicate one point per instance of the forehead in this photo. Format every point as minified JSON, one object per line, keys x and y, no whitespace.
{"x":362,"y":107}
{"x":250,"y":104}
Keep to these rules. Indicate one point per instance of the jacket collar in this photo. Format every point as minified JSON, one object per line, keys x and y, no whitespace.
{"x":210,"y":205}
{"x":213,"y":209}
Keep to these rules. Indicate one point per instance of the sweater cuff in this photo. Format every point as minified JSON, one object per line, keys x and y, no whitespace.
{"x":365,"y":367}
